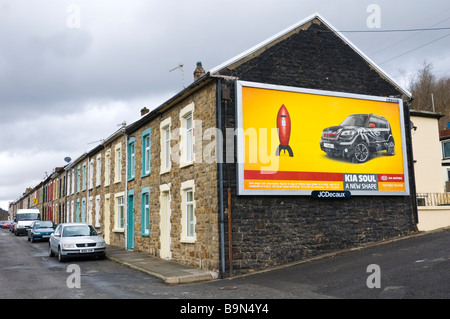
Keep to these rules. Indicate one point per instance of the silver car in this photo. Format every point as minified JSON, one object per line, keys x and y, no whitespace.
{"x":76,"y":240}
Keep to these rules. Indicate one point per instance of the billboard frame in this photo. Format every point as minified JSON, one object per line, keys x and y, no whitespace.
{"x":240,"y":135}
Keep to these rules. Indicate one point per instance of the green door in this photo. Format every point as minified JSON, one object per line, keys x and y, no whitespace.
{"x":130,"y":220}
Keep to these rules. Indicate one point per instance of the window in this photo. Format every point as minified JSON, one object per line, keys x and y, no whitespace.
{"x":108,"y":167}
{"x":68,"y":183}
{"x":190,"y":213}
{"x":89,"y":210}
{"x":165,"y":145}
{"x":446,"y":149}
{"x":91,"y":173}
{"x":146,"y":152}
{"x":187,"y":135}
{"x":189,"y":138}
{"x":73,"y":180}
{"x":188,"y":234}
{"x":78,"y":178}
{"x":84,"y":177}
{"x":83,"y":210}
{"x":98,"y":170}
{"x":118,"y":164}
{"x":78,"y":211}
{"x":68,"y":212}
{"x":119,"y":210}
{"x":131,"y":157}
{"x":72,"y":210}
{"x":145,"y":211}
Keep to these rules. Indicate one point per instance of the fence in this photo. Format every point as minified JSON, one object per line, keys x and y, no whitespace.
{"x":433,"y":199}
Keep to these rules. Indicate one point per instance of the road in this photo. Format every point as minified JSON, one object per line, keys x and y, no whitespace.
{"x":416,"y":267}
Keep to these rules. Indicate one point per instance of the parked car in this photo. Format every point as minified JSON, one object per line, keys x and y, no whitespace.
{"x":40,"y":230}
{"x":6,"y":224}
{"x":76,"y":240}
{"x":358,"y":137}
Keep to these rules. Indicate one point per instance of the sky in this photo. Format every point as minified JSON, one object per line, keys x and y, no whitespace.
{"x":72,"y":71}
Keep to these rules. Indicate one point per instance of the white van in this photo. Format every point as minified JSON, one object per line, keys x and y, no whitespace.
{"x":24,"y":218}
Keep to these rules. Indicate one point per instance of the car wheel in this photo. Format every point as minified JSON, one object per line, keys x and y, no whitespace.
{"x":390,"y":147}
{"x":362,"y":152}
{"x":61,"y":258}
{"x":50,"y":251}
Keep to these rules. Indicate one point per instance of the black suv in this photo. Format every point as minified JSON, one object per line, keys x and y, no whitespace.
{"x":358,"y":136}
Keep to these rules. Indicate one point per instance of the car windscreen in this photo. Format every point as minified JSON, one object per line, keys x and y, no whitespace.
{"x":355,"y":120}
{"x":78,"y":230}
{"x":27,"y":216}
{"x":43,"y":224}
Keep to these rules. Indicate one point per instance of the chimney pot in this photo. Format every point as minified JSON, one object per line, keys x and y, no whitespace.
{"x":199,"y":71}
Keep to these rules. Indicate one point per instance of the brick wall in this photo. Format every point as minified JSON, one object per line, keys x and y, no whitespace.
{"x":271,"y":230}
{"x":204,"y":251}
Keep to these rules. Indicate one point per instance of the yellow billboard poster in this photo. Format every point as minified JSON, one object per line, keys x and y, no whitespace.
{"x":293,"y":141}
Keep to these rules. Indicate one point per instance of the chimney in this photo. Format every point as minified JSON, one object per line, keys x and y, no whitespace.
{"x":144,"y":111}
{"x":199,"y":71}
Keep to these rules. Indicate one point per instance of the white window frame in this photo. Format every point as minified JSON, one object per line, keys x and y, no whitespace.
{"x":119,"y":209}
{"x":89,"y":210}
{"x":118,"y":163}
{"x":69,"y":183}
{"x":91,"y":174}
{"x":108,"y":167}
{"x":131,"y":145}
{"x":166,"y":163}
{"x":98,"y":172}
{"x":187,"y":155}
{"x":73,"y":181}
{"x":186,"y":222}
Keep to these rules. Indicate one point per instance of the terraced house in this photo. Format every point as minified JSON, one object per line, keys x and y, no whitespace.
{"x":175,"y":183}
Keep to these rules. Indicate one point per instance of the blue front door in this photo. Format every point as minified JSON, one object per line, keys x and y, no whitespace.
{"x":130,"y":220}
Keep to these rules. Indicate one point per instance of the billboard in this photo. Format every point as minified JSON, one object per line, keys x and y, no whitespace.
{"x":295,"y":141}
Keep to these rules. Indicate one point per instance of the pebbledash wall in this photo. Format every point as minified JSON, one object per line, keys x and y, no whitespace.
{"x":182,"y":209}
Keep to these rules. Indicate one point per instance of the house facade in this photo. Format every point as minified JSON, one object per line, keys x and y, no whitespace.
{"x":168,"y":184}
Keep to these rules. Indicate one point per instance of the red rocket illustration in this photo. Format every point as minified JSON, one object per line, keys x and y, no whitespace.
{"x":284,"y":131}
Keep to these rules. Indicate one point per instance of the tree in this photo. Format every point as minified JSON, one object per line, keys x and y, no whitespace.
{"x":431,"y":93}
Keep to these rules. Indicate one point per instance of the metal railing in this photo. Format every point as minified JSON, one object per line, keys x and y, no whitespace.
{"x":433,"y":199}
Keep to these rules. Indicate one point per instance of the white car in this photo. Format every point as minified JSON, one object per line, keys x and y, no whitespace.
{"x":76,"y":240}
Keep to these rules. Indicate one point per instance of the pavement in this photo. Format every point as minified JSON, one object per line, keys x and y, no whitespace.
{"x":169,"y":271}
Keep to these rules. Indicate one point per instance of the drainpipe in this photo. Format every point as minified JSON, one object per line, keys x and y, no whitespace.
{"x":126,"y":187}
{"x":412,"y":171}
{"x":220,"y":173}
{"x":225,"y":98}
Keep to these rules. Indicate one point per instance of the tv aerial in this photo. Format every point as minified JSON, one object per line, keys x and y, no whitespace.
{"x":180,"y":67}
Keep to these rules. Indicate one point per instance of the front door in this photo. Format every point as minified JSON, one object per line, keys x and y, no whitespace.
{"x":165,"y":225}
{"x":130,"y":220}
